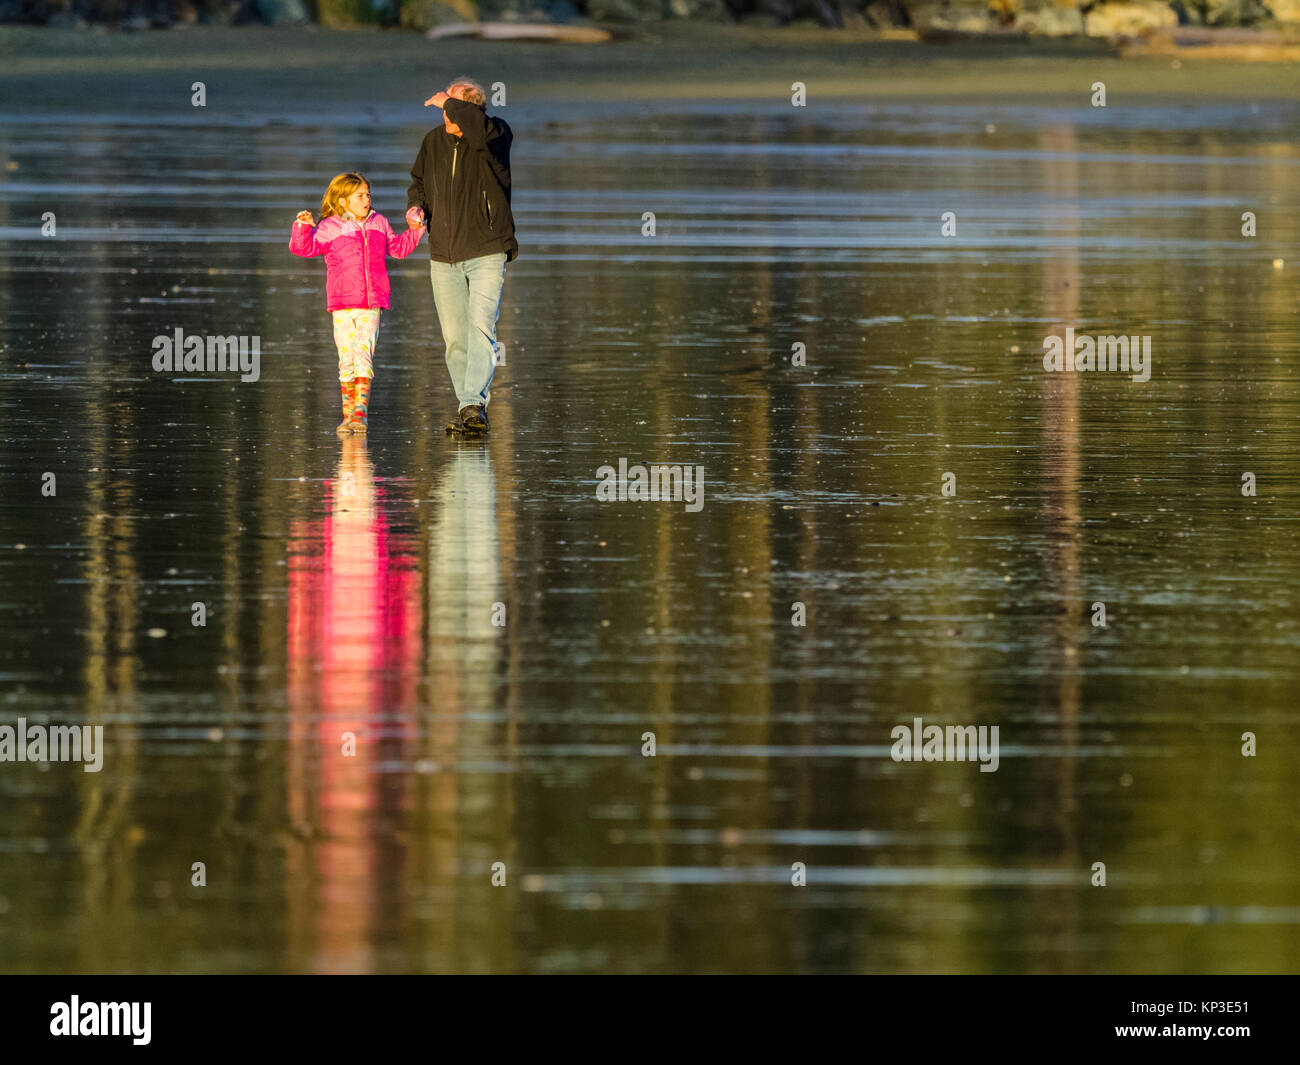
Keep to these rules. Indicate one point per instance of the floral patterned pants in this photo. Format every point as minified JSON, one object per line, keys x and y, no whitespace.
{"x":355,"y":333}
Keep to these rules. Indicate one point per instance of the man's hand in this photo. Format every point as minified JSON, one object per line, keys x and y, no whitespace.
{"x":305,"y":216}
{"x":415,"y":217}
{"x":437,"y":100}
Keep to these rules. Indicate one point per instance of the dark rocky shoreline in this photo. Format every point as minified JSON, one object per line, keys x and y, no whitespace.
{"x":931,"y":19}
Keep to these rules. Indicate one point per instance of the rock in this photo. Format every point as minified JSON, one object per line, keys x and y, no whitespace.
{"x":700,"y":10}
{"x":1128,"y":18}
{"x":218,"y":12}
{"x":883,"y":14}
{"x":625,"y":10}
{"x":281,"y":12}
{"x":344,"y":14}
{"x":1052,"y":20}
{"x":429,"y":14}
{"x":1224,"y":12}
{"x":562,"y":12}
{"x":942,"y":21}
{"x":1229,"y":12}
{"x":824,"y":13}
{"x":503,"y":10}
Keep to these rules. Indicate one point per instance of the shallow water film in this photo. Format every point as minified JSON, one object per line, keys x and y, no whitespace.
{"x":421,"y":703}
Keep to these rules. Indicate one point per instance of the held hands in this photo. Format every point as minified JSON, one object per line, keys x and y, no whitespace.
{"x":437,"y":100}
{"x":305,"y":216}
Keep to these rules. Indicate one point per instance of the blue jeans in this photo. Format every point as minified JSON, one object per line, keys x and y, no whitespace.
{"x":468,"y":297}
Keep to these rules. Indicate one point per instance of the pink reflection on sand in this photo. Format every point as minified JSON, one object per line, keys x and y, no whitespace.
{"x":353,"y":667}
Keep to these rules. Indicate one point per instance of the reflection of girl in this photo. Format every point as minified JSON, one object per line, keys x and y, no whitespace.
{"x":354,"y":668}
{"x":355,"y":242}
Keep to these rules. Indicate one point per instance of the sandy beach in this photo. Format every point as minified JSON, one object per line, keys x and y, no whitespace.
{"x":64,"y":70}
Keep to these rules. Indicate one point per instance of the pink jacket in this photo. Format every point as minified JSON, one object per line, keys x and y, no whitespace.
{"x":356,"y":275}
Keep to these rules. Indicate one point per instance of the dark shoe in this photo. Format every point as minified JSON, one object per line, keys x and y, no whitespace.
{"x":474,"y":418}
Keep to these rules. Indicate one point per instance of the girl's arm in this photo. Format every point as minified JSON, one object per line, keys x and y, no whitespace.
{"x":401,"y":247}
{"x":302,"y":239}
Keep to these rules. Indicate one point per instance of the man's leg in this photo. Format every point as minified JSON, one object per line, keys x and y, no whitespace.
{"x":451,"y":297}
{"x":486,"y":274}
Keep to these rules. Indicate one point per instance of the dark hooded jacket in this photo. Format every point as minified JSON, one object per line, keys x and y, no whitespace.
{"x":463,"y":185}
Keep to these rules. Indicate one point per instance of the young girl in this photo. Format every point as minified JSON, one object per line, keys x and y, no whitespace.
{"x":355,"y":241}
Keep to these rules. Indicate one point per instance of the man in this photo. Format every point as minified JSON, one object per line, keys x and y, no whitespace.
{"x":460,"y":184}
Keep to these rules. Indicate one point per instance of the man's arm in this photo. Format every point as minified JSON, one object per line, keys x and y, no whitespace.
{"x":497,"y":151}
{"x":472,"y":120}
{"x":415,"y":195}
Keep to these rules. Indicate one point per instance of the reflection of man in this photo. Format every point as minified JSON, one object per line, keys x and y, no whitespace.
{"x":460,"y":182}
{"x":465,"y":590}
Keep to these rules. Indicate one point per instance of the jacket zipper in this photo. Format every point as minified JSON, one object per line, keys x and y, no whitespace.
{"x":487,"y":208}
{"x":365,"y":260}
{"x":451,"y":238}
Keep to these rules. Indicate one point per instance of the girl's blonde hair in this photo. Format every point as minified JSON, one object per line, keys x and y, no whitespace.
{"x":343,"y":186}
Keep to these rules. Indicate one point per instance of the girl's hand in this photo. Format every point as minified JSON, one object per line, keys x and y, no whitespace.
{"x":305,"y":216}
{"x":415,"y":218}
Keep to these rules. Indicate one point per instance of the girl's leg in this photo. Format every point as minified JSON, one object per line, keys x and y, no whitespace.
{"x":344,"y":332}
{"x":363,"y":354}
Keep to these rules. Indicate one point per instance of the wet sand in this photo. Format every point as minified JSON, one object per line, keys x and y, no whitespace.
{"x":352,"y":587}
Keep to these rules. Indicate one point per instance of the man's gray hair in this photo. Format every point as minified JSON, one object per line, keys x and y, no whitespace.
{"x":473,"y":92}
